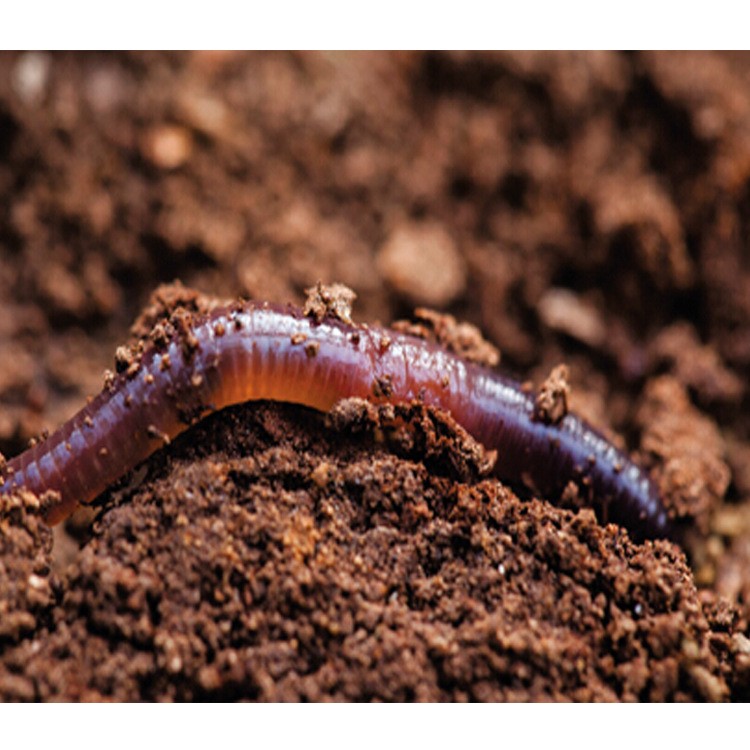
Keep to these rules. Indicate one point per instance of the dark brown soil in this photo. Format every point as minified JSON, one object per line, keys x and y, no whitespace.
{"x":591,"y":210}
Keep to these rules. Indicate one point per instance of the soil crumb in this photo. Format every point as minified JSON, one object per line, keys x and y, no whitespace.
{"x":551,"y":402}
{"x":329,"y":300}
{"x":461,"y":338}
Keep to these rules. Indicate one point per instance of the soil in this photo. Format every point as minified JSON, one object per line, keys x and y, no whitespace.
{"x":585,"y":210}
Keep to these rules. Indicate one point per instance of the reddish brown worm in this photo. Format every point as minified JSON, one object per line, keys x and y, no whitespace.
{"x":250,"y":352}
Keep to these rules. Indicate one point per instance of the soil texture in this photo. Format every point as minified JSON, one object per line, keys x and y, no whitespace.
{"x":580,"y":220}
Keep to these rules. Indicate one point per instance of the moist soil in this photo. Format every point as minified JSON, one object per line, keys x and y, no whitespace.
{"x":589,"y":211}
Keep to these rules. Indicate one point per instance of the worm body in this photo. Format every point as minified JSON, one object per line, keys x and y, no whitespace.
{"x":251,"y":352}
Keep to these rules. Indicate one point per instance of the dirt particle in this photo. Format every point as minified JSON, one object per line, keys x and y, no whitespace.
{"x":109,"y":380}
{"x":710,"y":687}
{"x":30,"y":76}
{"x":154,"y":432}
{"x":566,"y":312}
{"x":167,"y":146}
{"x":351,"y":414}
{"x":329,"y":300}
{"x":551,"y":402}
{"x":321,"y":474}
{"x":209,"y":678}
{"x":422,"y":263}
{"x":382,"y":387}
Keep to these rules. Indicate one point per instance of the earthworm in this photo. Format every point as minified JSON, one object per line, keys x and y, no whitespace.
{"x":253,"y":351}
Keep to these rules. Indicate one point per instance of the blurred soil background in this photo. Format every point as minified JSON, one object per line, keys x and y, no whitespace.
{"x":585,"y":208}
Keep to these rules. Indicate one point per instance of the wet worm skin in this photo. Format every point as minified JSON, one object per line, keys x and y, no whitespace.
{"x":250,"y":352}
